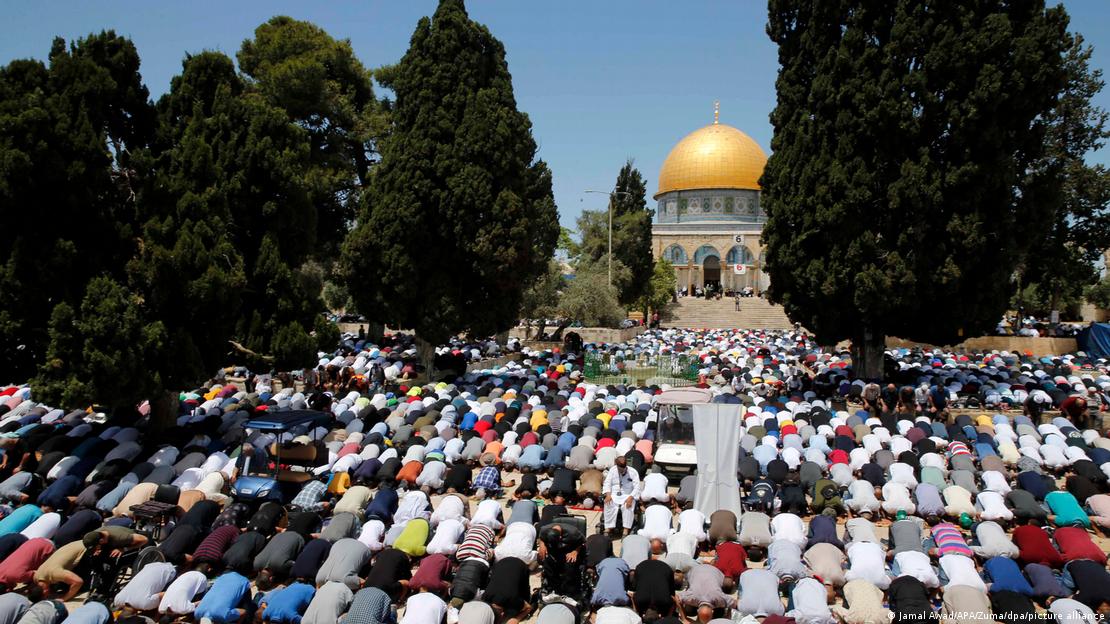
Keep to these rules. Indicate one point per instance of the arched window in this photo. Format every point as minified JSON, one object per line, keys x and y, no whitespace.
{"x":676,"y":255}
{"x":739,"y":254}
{"x":704,"y":252}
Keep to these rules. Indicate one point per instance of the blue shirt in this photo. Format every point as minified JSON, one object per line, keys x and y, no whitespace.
{"x":1067,"y":510}
{"x":610,"y":588}
{"x":532,"y":457}
{"x":88,"y":613}
{"x":219,"y":604}
{"x":288,"y":604}
{"x":19,"y":519}
{"x":556,"y":457}
{"x":1044,"y":581}
{"x":1005,"y":575}
{"x":111,"y":499}
{"x":383,"y":505}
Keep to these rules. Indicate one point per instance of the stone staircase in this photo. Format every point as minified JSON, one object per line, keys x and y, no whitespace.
{"x":755,"y":313}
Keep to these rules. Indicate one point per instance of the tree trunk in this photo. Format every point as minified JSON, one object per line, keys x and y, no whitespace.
{"x":867,"y":354}
{"x":558,"y":335}
{"x":375,"y":331}
{"x":502,"y":338}
{"x":426,"y":351}
{"x":163,"y":411}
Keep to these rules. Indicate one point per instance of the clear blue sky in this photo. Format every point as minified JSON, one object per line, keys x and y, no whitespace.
{"x":601,"y":81}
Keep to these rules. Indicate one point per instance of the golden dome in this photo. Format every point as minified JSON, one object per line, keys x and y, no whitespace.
{"x":714,"y":157}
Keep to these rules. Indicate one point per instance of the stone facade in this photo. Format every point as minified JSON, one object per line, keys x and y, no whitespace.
{"x":704,"y":233}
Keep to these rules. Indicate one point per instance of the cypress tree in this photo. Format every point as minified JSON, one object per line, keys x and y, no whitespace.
{"x":460,"y":217}
{"x":904,"y":168}
{"x":67,"y":183}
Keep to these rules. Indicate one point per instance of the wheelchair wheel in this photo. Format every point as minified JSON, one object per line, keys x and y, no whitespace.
{"x":150,"y":554}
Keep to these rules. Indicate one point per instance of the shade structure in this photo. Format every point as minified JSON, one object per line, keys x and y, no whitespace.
{"x":717,"y":439}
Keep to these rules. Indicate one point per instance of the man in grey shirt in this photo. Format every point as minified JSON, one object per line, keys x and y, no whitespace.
{"x":329,"y":603}
{"x":524,"y":510}
{"x":580,"y":458}
{"x":759,"y":593}
{"x":755,"y":529}
{"x":860,"y":530}
{"x":279,"y":553}
{"x":905,"y":535}
{"x":993,"y":541}
{"x":784,"y":558}
{"x":344,"y":561}
{"x":705,"y":590}
{"x":342,"y":525}
{"x":687,"y":489}
{"x":635,"y":549}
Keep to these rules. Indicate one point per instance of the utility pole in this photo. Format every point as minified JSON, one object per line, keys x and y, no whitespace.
{"x":610,"y":194}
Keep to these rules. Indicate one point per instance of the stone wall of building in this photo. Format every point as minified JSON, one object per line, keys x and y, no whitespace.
{"x":722,"y":239}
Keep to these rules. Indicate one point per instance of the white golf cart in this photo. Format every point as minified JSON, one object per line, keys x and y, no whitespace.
{"x":674,"y":450}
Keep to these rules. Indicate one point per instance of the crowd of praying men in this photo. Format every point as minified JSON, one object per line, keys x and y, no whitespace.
{"x":968,"y":486}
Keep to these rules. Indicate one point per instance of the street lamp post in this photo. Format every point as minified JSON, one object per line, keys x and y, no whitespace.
{"x":610,"y":194}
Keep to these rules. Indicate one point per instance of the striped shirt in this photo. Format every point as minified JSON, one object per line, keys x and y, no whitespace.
{"x":213,"y":547}
{"x":958,"y":448}
{"x":949,"y":540}
{"x":476,"y":543}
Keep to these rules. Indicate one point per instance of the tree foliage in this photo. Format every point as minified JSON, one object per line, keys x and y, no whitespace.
{"x":460,"y":217}
{"x":1062,"y":261}
{"x":1099,"y":293}
{"x":322,"y":86}
{"x":905,"y":168}
{"x":228,"y":182}
{"x":70,"y":128}
{"x":661,"y":286}
{"x":108,"y":352}
{"x":541,"y":298}
{"x":631,"y":233}
{"x":147,"y":237}
{"x":590,"y":300}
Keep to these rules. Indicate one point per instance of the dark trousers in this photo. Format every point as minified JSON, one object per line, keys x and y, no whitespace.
{"x":562,"y":577}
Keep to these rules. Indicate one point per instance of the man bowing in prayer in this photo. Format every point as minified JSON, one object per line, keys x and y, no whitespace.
{"x":622,"y":490}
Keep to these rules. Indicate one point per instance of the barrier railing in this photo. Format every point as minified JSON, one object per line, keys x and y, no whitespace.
{"x":643,"y":369}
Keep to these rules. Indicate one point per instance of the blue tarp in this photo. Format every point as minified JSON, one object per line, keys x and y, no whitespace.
{"x":1094,"y":340}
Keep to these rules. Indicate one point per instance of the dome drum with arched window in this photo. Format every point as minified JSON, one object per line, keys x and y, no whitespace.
{"x":708,"y":215}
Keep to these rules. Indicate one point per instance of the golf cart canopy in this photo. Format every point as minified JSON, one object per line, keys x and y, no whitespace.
{"x":283,"y":421}
{"x":684,"y":396}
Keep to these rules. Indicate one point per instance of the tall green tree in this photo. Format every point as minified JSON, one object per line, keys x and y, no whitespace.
{"x":70,"y":128}
{"x":541,"y":299}
{"x":107,"y":353}
{"x":1062,"y":263}
{"x":324,"y":88}
{"x":631,"y":233}
{"x":590,"y":300}
{"x":228,"y":221}
{"x":904,"y":174}
{"x":460,"y":217}
{"x":662,"y":287}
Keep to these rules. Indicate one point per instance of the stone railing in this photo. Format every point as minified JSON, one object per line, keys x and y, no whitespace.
{"x":589,"y":334}
{"x":1019,"y":344}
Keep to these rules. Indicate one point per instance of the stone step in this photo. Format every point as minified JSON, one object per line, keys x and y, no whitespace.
{"x":754,"y":313}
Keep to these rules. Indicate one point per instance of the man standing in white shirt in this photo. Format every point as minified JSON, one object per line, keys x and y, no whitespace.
{"x":622,"y":490}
